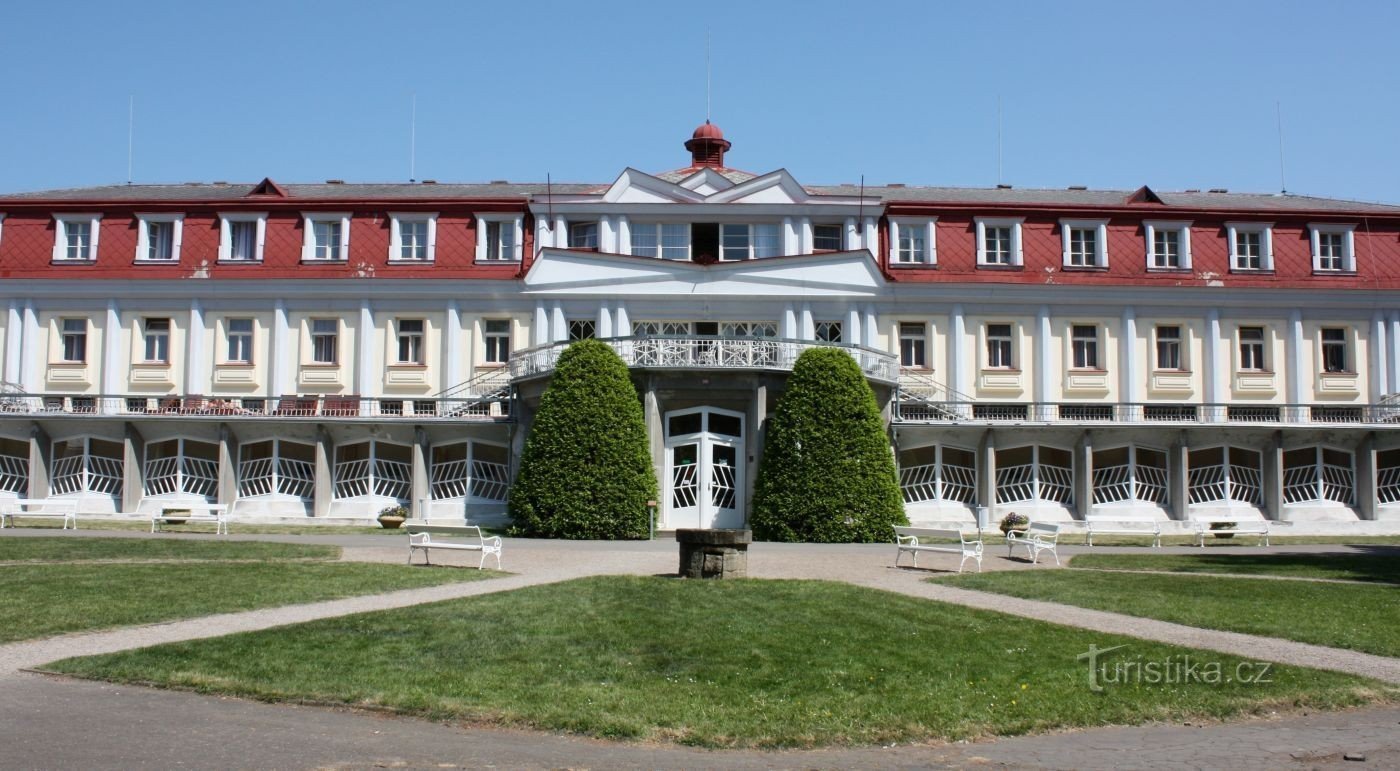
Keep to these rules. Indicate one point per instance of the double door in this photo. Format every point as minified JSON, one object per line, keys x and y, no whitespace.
{"x":704,"y":468}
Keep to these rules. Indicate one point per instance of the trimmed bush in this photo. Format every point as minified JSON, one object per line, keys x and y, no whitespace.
{"x":827,"y":473}
{"x":586,"y":470}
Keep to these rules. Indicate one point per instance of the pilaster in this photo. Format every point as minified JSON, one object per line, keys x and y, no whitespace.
{"x":40,"y":462}
{"x":133,"y":468}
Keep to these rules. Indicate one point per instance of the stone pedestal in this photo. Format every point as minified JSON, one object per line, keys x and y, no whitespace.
{"x":714,"y":553}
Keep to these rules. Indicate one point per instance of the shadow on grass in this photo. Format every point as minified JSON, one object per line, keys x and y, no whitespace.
{"x":1368,"y":563}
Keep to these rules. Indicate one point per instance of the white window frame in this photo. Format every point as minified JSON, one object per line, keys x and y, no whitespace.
{"x":396,"y":220}
{"x":487,"y":336}
{"x":1011,"y":337}
{"x":143,"y":236}
{"x":1183,"y":231}
{"x":1182,"y":352}
{"x":421,"y":334}
{"x":1348,"y":234}
{"x":1017,"y":257}
{"x":1100,"y":228}
{"x":1266,"y":245}
{"x":311,"y":335}
{"x":923,"y":340}
{"x":60,"y":236}
{"x":226,"y":324}
{"x":146,"y":339}
{"x":1266,"y":346}
{"x":308,"y":241}
{"x":661,"y":240}
{"x":481,"y":230}
{"x":1098,"y":350}
{"x":929,"y":256}
{"x":840,"y":236}
{"x":597,"y":234}
{"x":226,"y":220}
{"x":60,"y":324}
{"x":1348,"y":343}
{"x":751,"y":244}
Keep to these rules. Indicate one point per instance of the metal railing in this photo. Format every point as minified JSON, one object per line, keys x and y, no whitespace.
{"x":460,"y":407}
{"x":913,"y":410}
{"x":706,"y":352}
{"x":938,"y":482}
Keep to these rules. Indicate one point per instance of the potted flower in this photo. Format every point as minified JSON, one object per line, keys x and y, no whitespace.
{"x":392,"y":517}
{"x":1223,"y":526}
{"x":1014,"y":521}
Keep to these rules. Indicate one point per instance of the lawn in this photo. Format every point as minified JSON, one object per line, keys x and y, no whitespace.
{"x":1378,"y":567}
{"x":720,"y":664}
{"x":83,"y":548}
{"x":1362,"y":618}
{"x":144,"y":526}
{"x":59,"y":585}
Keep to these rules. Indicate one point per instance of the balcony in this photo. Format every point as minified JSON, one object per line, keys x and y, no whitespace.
{"x":708,"y":353}
{"x":462,"y":407}
{"x":914,"y":407}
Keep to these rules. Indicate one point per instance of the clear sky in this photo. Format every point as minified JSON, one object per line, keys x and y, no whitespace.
{"x":1175,"y":94}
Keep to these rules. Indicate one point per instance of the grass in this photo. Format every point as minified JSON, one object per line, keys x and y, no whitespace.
{"x":1378,"y":568}
{"x":70,"y":549}
{"x":144,"y":526}
{"x":1076,"y":537}
{"x":1362,"y":618}
{"x":718,"y":664}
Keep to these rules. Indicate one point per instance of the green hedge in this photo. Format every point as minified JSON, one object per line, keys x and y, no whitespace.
{"x":827,"y":473}
{"x":586,"y":470}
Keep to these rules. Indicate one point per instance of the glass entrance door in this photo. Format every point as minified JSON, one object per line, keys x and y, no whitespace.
{"x":704,"y":468}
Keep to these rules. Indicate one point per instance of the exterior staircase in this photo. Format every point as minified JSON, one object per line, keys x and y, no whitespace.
{"x":487,"y":394}
{"x":921,"y":398}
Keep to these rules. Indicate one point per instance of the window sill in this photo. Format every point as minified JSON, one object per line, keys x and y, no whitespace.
{"x":1174,"y":271}
{"x":406,"y":365}
{"x":411,"y":262}
{"x":497,"y":262}
{"x":1251,"y":271}
{"x":73,"y":262}
{"x":492,"y":365}
{"x":314,"y":261}
{"x":1084,"y":268}
{"x":1000,"y":371}
{"x":321,"y":365}
{"x":909,"y":265}
{"x":1171,"y":372}
{"x":996,"y":266}
{"x":238,"y":262}
{"x":152,"y":364}
{"x":234,"y":364}
{"x":918,"y":370}
{"x":1087,"y":371}
{"x":1339,"y":273}
{"x":175,"y":262}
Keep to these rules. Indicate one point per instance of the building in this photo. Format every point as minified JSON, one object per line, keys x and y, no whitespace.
{"x":325,"y":350}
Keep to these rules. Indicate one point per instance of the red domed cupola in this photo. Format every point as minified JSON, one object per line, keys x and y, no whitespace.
{"x":707,"y":146}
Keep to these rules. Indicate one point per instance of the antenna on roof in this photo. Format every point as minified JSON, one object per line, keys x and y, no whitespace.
{"x":998,"y":140}
{"x":707,"y":75}
{"x":860,"y":210}
{"x":413,"y":138}
{"x":130,"y":130}
{"x":549,"y":192}
{"x":1278,"y":113}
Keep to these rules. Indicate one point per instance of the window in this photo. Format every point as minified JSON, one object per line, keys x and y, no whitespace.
{"x":1168,"y":245}
{"x":75,"y":340}
{"x":157,"y":340}
{"x":583,"y":235}
{"x":912,"y":346}
{"x":999,"y":352}
{"x":742,"y":242}
{"x":1252,"y":349}
{"x":829,"y":331}
{"x":326,"y":238}
{"x":325,"y":337}
{"x":1334,"y":350}
{"x":410,"y":341}
{"x":826,"y":238}
{"x":158,"y":237}
{"x":412,"y":237}
{"x":497,"y":334}
{"x":582,"y":330}
{"x":1085,"y":243}
{"x":498,"y":238}
{"x":1169,"y":348}
{"x":241,"y":236}
{"x":912,"y":241}
{"x":1333,"y":248}
{"x":668,"y":240}
{"x":240,"y":341}
{"x":1084,"y":339}
{"x":75,"y":237}
{"x":998,"y":241}
{"x":1251,"y":245}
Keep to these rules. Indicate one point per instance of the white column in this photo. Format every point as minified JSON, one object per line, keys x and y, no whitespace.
{"x":540,"y":333}
{"x":452,"y":353}
{"x":1393,"y":339}
{"x":605,"y":326}
{"x":561,"y":232}
{"x":364,"y":356}
{"x":787,"y":329}
{"x":850,"y":235}
{"x":13,"y":334}
{"x":559,"y":330}
{"x":850,"y":333}
{"x":791,"y":245}
{"x":869,"y":327}
{"x":279,"y":357}
{"x":607,"y":237}
{"x":804,"y":233}
{"x":894,"y":236}
{"x":872,"y":237}
{"x":623,"y":327}
{"x":1292,"y":353}
{"x":1378,"y":365}
{"x":112,"y":368}
{"x":624,"y":235}
{"x":195,"y":369}
{"x":544,"y":235}
{"x":809,"y":326}
{"x":29,"y":362}
{"x":1041,"y":385}
{"x":520,"y":240}
{"x":1215,"y":364}
{"x":1127,"y":357}
{"x":959,"y":368}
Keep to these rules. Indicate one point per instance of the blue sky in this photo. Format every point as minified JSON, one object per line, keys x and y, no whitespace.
{"x":1175,"y":95}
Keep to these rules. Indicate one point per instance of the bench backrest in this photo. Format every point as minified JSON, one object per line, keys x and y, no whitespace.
{"x":932,"y":532}
{"x":212,"y":508}
{"x":41,"y":503}
{"x":460,"y":531}
{"x":1050,"y":529}
{"x":1119,"y":518}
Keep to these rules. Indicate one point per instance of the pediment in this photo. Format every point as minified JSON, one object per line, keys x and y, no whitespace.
{"x":706,"y":182}
{"x":774,"y":187}
{"x":839,"y":274}
{"x":634,"y":186}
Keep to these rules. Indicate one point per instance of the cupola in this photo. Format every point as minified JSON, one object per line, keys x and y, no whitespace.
{"x":707,"y":146}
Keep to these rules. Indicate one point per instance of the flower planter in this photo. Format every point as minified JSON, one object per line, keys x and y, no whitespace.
{"x":391,"y":523}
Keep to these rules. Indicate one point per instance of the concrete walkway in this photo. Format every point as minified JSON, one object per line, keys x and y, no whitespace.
{"x":121,"y":726}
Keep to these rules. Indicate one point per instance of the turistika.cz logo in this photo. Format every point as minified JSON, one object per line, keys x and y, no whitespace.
{"x":1182,"y":669}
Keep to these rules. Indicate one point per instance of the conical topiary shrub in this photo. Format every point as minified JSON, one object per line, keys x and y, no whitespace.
{"x":586,"y":470}
{"x":827,"y":473}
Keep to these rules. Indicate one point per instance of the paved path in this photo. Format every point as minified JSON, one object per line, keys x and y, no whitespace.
{"x":126,"y":726}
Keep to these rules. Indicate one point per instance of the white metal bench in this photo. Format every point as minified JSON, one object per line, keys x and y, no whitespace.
{"x":1118,"y":524}
{"x":468,"y":538}
{"x":907,"y":540}
{"x":1259,"y":527}
{"x":51,"y":508}
{"x":1039,"y":537}
{"x":180,"y":513}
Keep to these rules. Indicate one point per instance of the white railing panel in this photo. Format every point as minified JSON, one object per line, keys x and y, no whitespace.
{"x":256,"y":478}
{"x":919,"y":483}
{"x":14,"y":474}
{"x":1113,"y":484}
{"x":1015,"y":484}
{"x":450,"y":480}
{"x":296,"y":478}
{"x":490,"y":481}
{"x":1388,"y":485}
{"x":352,"y":479}
{"x":1300,"y":484}
{"x":1151,"y":484}
{"x":163,"y":475}
{"x":393,"y":479}
{"x":1245,"y":484}
{"x":1207,"y":484}
{"x":1056,"y":483}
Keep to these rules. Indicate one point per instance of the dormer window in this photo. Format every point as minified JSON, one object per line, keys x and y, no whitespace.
{"x":998,"y":241}
{"x":498,"y":238}
{"x":75,"y":237}
{"x":158,"y":237}
{"x":1333,"y":248}
{"x":326,"y":237}
{"x":912,"y":241}
{"x":1168,"y":245}
{"x":1085,"y":243}
{"x":1251,"y":246}
{"x":241,"y":236}
{"x":744,"y":242}
{"x":412,"y":237}
{"x":583,"y":235}
{"x":667,"y":240}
